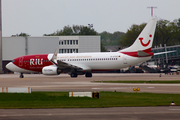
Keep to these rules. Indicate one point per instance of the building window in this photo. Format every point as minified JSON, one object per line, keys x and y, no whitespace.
{"x":73,"y":42}
{"x":65,"y":42}
{"x":67,"y":50}
{"x":60,"y":50}
{"x":70,"y":50}
{"x":76,"y":50}
{"x":70,"y":42}
{"x":76,"y":42}
{"x":60,"y":42}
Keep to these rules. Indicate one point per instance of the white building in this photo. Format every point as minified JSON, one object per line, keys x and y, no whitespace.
{"x":13,"y":47}
{"x":79,"y":44}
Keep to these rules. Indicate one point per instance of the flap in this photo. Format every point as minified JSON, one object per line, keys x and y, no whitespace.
{"x":79,"y":67}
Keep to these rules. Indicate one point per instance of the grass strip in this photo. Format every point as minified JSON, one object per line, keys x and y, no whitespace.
{"x":62,"y":100}
{"x":154,"y":81}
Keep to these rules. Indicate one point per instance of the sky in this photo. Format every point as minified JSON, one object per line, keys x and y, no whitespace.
{"x":38,"y":17}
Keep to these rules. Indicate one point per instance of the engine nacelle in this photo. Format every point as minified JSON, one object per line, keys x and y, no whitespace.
{"x":51,"y":70}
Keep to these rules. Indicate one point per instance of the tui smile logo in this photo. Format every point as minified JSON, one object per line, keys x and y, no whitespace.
{"x":145,"y":44}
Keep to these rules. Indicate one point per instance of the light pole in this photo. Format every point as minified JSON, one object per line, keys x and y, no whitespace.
{"x":1,"y":70}
{"x":152,"y":10}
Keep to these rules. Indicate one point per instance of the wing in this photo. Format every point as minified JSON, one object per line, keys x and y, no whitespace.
{"x":68,"y":67}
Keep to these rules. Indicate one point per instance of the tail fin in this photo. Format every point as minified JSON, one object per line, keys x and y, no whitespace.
{"x":145,"y":39}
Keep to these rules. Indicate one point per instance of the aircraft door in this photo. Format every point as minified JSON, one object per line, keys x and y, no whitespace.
{"x":124,"y":59}
{"x":21,"y":61}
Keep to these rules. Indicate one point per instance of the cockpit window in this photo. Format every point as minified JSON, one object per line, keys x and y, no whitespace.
{"x":13,"y":60}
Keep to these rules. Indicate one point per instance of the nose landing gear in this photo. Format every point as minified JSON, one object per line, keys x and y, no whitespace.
{"x":21,"y":75}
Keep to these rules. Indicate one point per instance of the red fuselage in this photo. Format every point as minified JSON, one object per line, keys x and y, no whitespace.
{"x":32,"y":62}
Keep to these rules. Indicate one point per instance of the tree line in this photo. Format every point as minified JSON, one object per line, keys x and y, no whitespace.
{"x":111,"y":39}
{"x":166,"y":33}
{"x":106,"y":37}
{"x":74,"y":30}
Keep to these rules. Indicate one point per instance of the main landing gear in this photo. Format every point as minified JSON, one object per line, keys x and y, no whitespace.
{"x":21,"y":75}
{"x":74,"y":75}
{"x":88,"y":74}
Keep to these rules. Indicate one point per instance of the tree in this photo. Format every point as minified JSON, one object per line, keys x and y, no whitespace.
{"x":166,"y":33}
{"x":74,"y":30}
{"x":67,"y":30}
{"x":175,"y":31}
{"x":21,"y":34}
{"x":111,"y":38}
{"x":84,"y":30}
{"x":163,"y":32}
{"x":131,"y":35}
{"x":103,"y":49}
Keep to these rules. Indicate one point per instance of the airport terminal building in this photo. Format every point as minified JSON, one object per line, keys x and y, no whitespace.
{"x":13,"y":47}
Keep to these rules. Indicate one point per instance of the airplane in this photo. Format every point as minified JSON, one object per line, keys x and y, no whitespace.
{"x":85,"y":63}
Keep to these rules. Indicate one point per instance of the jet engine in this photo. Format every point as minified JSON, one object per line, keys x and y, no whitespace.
{"x":51,"y":70}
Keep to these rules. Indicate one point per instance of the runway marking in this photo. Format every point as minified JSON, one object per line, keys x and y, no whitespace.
{"x":20,"y":115}
{"x":60,"y":86}
{"x":150,"y":87}
{"x":108,"y":88}
{"x":174,"y":109}
{"x":114,"y":88}
{"x":121,"y":88}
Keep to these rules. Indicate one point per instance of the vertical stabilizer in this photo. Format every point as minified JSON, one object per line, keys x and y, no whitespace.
{"x":145,"y":40}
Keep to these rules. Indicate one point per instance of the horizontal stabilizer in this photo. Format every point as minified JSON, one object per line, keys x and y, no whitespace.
{"x":143,"y":53}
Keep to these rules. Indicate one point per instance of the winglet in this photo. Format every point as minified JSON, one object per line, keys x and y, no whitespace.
{"x":54,"y":57}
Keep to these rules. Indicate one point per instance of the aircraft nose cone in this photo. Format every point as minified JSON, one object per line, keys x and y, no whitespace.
{"x":9,"y":66}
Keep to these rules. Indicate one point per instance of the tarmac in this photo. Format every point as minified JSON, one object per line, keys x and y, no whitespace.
{"x":64,"y":82}
{"x":116,"y":113}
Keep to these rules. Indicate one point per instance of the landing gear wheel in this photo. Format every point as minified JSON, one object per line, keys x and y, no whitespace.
{"x":74,"y":75}
{"x":21,"y":75}
{"x":88,"y":74}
